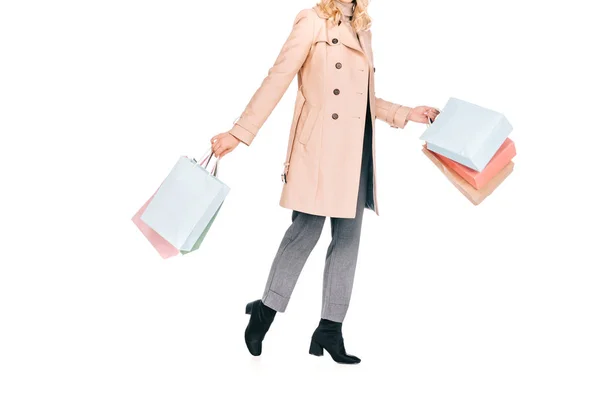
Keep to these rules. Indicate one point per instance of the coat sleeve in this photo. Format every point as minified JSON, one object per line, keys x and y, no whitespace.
{"x":392,"y":113}
{"x":287,"y":64}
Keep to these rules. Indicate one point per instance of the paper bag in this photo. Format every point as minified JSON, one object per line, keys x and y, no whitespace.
{"x":479,"y":179}
{"x":467,"y":133}
{"x":185,"y":204}
{"x":163,"y":247}
{"x":475,"y":196}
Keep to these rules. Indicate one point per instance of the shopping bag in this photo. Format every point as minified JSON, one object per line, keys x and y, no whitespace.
{"x":164,"y":248}
{"x":478,"y":180}
{"x":467,"y":133}
{"x":185,"y":203}
{"x":475,"y":196}
{"x":196,"y":245}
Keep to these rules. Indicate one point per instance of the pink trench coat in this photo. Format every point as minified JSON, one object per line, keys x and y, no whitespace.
{"x":335,"y":76}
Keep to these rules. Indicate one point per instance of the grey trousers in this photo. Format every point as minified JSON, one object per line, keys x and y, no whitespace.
{"x":340,"y":261}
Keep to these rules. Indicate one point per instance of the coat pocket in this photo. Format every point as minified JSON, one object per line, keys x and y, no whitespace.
{"x":306,"y":123}
{"x":298,"y":112}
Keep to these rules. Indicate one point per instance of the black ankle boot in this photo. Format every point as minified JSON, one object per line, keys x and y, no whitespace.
{"x":328,"y":336}
{"x":261,"y":318}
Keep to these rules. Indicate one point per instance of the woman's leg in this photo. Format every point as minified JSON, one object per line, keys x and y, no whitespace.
{"x":294,"y":249}
{"x":342,"y":253}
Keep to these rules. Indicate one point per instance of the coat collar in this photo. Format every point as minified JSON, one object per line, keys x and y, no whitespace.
{"x":346,"y":35}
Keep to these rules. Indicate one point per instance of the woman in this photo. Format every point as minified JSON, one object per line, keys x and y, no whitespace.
{"x":329,"y":169}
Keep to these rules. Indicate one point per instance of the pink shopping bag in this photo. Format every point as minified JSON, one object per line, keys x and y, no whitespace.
{"x":164,"y":248}
{"x":475,"y":196}
{"x":478,"y":180}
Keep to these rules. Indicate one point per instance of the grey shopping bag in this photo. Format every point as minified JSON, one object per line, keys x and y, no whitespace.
{"x":467,"y":133}
{"x":186,"y":203}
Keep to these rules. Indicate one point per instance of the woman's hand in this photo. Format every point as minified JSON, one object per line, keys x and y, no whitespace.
{"x":223,"y":143}
{"x":421,"y":114}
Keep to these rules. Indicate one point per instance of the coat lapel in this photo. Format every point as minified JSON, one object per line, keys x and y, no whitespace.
{"x":348,"y":37}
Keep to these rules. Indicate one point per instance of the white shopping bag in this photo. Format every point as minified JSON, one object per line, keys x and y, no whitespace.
{"x":467,"y":133}
{"x":186,"y":202}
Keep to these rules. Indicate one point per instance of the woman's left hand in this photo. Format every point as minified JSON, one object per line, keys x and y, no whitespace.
{"x":421,"y":114}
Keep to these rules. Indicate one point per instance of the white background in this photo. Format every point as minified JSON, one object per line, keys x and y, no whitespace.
{"x":98,"y":99}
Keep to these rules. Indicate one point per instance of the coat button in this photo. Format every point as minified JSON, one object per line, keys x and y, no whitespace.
{"x":334,"y":116}
{"x":338,"y":65}
{"x":336,"y":91}
{"x":334,"y":41}
{"x":373,"y":69}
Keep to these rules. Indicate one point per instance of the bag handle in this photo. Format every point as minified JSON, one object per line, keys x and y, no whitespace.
{"x":206,"y":160}
{"x":429,"y":120}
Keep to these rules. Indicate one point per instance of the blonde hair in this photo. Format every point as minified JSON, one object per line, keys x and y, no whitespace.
{"x":360,"y":18}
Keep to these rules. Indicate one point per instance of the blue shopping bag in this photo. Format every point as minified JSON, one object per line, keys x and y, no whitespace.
{"x":467,"y":133}
{"x":186,"y":203}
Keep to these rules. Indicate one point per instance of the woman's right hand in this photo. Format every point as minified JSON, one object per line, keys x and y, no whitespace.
{"x":422,"y":114}
{"x":223,"y":143}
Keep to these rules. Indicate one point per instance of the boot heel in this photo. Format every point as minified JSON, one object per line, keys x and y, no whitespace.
{"x":315,"y":349}
{"x":249,"y":308}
